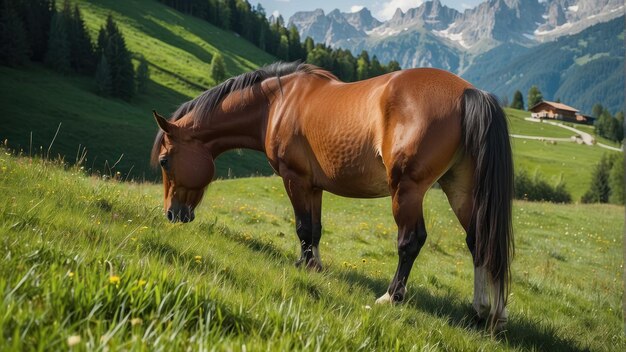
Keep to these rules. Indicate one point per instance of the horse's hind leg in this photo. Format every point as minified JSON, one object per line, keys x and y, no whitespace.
{"x":458,"y":185}
{"x":407,"y":198}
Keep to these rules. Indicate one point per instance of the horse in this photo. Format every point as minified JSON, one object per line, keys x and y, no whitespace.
{"x":392,"y":135}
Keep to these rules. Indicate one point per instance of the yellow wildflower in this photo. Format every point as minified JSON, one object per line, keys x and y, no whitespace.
{"x":70,"y":274}
{"x":114,"y":280}
{"x":141,"y":282}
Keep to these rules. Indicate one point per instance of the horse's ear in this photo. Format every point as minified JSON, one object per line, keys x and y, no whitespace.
{"x":162,"y":122}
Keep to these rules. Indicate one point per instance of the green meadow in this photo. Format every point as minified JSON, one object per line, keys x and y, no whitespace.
{"x":93,"y":264}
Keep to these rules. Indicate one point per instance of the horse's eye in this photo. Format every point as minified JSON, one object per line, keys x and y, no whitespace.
{"x":163,"y":162}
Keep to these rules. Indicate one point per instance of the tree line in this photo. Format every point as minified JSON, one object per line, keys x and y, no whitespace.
{"x":272,"y":36}
{"x":34,"y":30}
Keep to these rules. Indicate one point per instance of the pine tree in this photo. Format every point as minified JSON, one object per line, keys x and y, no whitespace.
{"x":393,"y":65}
{"x":14,"y":46}
{"x":143,"y":75}
{"x":309,"y":45}
{"x":82,"y":50}
{"x":283,"y":48}
{"x":597,"y":110}
{"x":376,"y":68}
{"x":295,"y":47}
{"x":218,"y":68}
{"x":58,"y":55}
{"x":319,"y":57}
{"x":518,"y":101}
{"x":37,"y":16}
{"x":599,"y":190}
{"x":103,"y":77}
{"x":619,"y":129}
{"x":616,"y":181}
{"x":112,"y":45}
{"x":362,"y":69}
{"x":534,"y":96}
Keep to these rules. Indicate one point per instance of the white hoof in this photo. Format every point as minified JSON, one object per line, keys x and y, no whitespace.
{"x":384,"y":299}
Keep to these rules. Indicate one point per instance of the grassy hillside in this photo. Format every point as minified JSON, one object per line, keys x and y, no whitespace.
{"x":178,"y":48}
{"x":95,"y":263}
{"x":572,"y":162}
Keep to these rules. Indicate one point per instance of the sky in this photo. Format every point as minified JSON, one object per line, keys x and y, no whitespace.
{"x":382,"y":10}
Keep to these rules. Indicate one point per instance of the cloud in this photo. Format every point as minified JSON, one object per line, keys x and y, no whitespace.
{"x":356,"y":8}
{"x":389,"y":7}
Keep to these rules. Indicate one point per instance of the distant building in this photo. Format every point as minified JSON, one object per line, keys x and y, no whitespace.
{"x":559,"y":111}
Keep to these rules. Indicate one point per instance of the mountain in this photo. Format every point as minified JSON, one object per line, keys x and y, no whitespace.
{"x":581,"y":69}
{"x":500,"y":45}
{"x":564,"y":17}
{"x":465,"y":35}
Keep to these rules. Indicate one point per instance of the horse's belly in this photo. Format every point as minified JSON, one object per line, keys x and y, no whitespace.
{"x":357,"y":177}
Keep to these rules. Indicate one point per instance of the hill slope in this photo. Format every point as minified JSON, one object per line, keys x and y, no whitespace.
{"x":96,"y":261}
{"x":178,"y":48}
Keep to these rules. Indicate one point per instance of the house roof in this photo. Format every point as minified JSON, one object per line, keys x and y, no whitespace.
{"x":554,"y":105}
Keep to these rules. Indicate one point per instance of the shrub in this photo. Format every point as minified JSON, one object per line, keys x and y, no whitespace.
{"x":537,"y":189}
{"x":600,"y":188}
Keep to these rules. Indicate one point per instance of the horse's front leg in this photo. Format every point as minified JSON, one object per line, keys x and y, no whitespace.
{"x":307,"y":206}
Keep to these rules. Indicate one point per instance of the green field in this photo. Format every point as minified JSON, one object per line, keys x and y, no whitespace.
{"x":572,"y":162}
{"x":94,"y":263}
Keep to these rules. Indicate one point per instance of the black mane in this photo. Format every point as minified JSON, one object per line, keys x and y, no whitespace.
{"x":205,"y":103}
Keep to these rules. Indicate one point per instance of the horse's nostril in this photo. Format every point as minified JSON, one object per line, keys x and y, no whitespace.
{"x":170,"y":215}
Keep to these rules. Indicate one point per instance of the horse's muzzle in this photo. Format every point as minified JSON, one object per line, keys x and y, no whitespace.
{"x":183,"y":214}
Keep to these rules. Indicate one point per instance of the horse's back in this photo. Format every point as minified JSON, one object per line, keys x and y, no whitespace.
{"x":347,"y":136}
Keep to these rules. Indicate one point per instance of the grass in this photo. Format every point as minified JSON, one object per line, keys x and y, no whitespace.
{"x":94,"y":263}
{"x":178,"y":49}
{"x":573,"y":162}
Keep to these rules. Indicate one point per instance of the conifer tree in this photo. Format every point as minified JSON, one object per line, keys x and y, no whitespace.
{"x":218,"y":68}
{"x":518,"y":101}
{"x":375,"y":68}
{"x":103,"y":77}
{"x":14,"y":46}
{"x":82,"y":50}
{"x":283,"y":48}
{"x":309,"y":45}
{"x":599,"y":190}
{"x":616,"y":181}
{"x":58,"y":55}
{"x":112,"y":45}
{"x":362,"y":69}
{"x":393,"y":65}
{"x":143,"y":75}
{"x":37,"y":17}
{"x":534,"y":96}
{"x":295,"y":47}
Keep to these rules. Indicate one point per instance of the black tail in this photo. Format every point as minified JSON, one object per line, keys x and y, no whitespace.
{"x":487,"y":142}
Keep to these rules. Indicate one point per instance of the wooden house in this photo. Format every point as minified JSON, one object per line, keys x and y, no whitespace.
{"x":555,"y":111}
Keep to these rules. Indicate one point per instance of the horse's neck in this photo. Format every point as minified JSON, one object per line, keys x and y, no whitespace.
{"x":235,"y":126}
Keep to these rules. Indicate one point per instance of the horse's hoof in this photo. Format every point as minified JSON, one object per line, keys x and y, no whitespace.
{"x":385,"y":299}
{"x":314,"y":265}
{"x":299,"y":263}
{"x":498,"y":326}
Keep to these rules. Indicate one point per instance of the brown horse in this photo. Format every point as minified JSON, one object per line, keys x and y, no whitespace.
{"x":394,"y":135}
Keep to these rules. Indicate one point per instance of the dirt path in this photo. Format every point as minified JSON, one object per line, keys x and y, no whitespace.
{"x":586,"y":137}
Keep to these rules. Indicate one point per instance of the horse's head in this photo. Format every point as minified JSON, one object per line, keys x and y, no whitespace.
{"x":187,"y":168}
